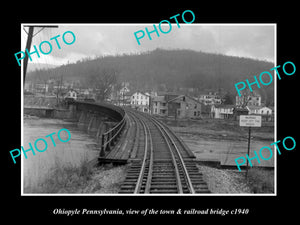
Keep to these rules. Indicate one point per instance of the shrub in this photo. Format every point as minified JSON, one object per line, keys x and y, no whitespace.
{"x":67,"y":178}
{"x":261,"y":180}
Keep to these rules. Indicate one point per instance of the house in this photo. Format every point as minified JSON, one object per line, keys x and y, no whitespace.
{"x":159,"y":105}
{"x":178,"y":106}
{"x":210,"y":98}
{"x":126,"y":99}
{"x":222,"y":111}
{"x":124,"y":95}
{"x":265,"y":111}
{"x":253,"y":110}
{"x":184,"y":106}
{"x":252,"y":99}
{"x":124,"y":90}
{"x":259,"y":110}
{"x":71,"y":94}
{"x":140,"y":101}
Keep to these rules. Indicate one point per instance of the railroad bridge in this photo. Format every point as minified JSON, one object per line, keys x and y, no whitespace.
{"x":158,"y":161}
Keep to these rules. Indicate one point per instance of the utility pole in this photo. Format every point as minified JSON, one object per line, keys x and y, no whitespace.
{"x":28,"y":44}
{"x":248,"y":152}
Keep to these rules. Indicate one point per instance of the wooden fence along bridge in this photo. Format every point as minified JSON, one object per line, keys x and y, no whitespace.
{"x":159,"y":162}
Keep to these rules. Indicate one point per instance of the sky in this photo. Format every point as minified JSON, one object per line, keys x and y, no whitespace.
{"x":244,"y":40}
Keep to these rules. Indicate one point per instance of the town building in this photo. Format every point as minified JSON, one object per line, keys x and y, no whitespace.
{"x":140,"y":101}
{"x":174,"y":105}
{"x":124,"y":94}
{"x":222,"y":111}
{"x":184,"y":106}
{"x":71,"y":94}
{"x":159,"y":105}
{"x":265,"y":111}
{"x":258,"y":110}
{"x":252,"y":99}
{"x":210,"y":98}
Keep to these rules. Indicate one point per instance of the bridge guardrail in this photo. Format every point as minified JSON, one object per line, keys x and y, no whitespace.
{"x":110,"y":137}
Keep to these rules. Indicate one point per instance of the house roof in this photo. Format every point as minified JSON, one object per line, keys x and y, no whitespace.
{"x":141,"y":92}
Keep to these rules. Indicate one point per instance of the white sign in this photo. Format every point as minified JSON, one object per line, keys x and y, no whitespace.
{"x":250,"y":121}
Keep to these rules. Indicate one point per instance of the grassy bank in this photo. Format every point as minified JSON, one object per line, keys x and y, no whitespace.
{"x":82,"y":178}
{"x":261,"y":180}
{"x":223,"y":181}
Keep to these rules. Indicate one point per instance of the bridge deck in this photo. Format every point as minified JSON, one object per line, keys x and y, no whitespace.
{"x":129,"y":146}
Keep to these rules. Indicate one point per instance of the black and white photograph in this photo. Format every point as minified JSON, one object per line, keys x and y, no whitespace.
{"x":137,"y":112}
{"x":144,"y":109}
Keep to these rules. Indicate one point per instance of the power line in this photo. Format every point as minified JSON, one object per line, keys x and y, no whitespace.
{"x":28,"y":43}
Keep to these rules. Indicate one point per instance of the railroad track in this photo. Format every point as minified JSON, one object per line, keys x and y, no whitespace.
{"x":161,"y":163}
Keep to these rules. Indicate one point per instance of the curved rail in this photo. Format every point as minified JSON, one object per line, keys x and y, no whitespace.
{"x":143,"y":167}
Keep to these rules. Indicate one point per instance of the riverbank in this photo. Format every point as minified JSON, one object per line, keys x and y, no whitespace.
{"x":65,"y":168}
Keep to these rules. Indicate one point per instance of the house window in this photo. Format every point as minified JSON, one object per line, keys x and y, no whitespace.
{"x":195,"y":113}
{"x":195,"y":107}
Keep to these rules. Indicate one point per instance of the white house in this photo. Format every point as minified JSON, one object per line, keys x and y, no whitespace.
{"x":71,"y":94}
{"x":140,"y":101}
{"x":265,"y":111}
{"x":253,"y":109}
{"x":259,"y":110}
{"x":222,"y":111}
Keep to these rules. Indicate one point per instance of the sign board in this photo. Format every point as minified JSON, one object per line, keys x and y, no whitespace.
{"x":250,"y":121}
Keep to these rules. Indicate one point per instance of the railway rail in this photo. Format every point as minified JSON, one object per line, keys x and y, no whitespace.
{"x":161,"y":163}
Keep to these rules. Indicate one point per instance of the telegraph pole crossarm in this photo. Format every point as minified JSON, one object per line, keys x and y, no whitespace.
{"x":28,"y":44}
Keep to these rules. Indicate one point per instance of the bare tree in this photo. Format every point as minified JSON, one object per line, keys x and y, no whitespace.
{"x":59,"y":89}
{"x":102,"y":81}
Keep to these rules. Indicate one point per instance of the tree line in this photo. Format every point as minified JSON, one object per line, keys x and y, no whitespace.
{"x":167,"y":70}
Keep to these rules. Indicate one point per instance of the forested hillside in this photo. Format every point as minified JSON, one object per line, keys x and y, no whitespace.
{"x":168,"y":69}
